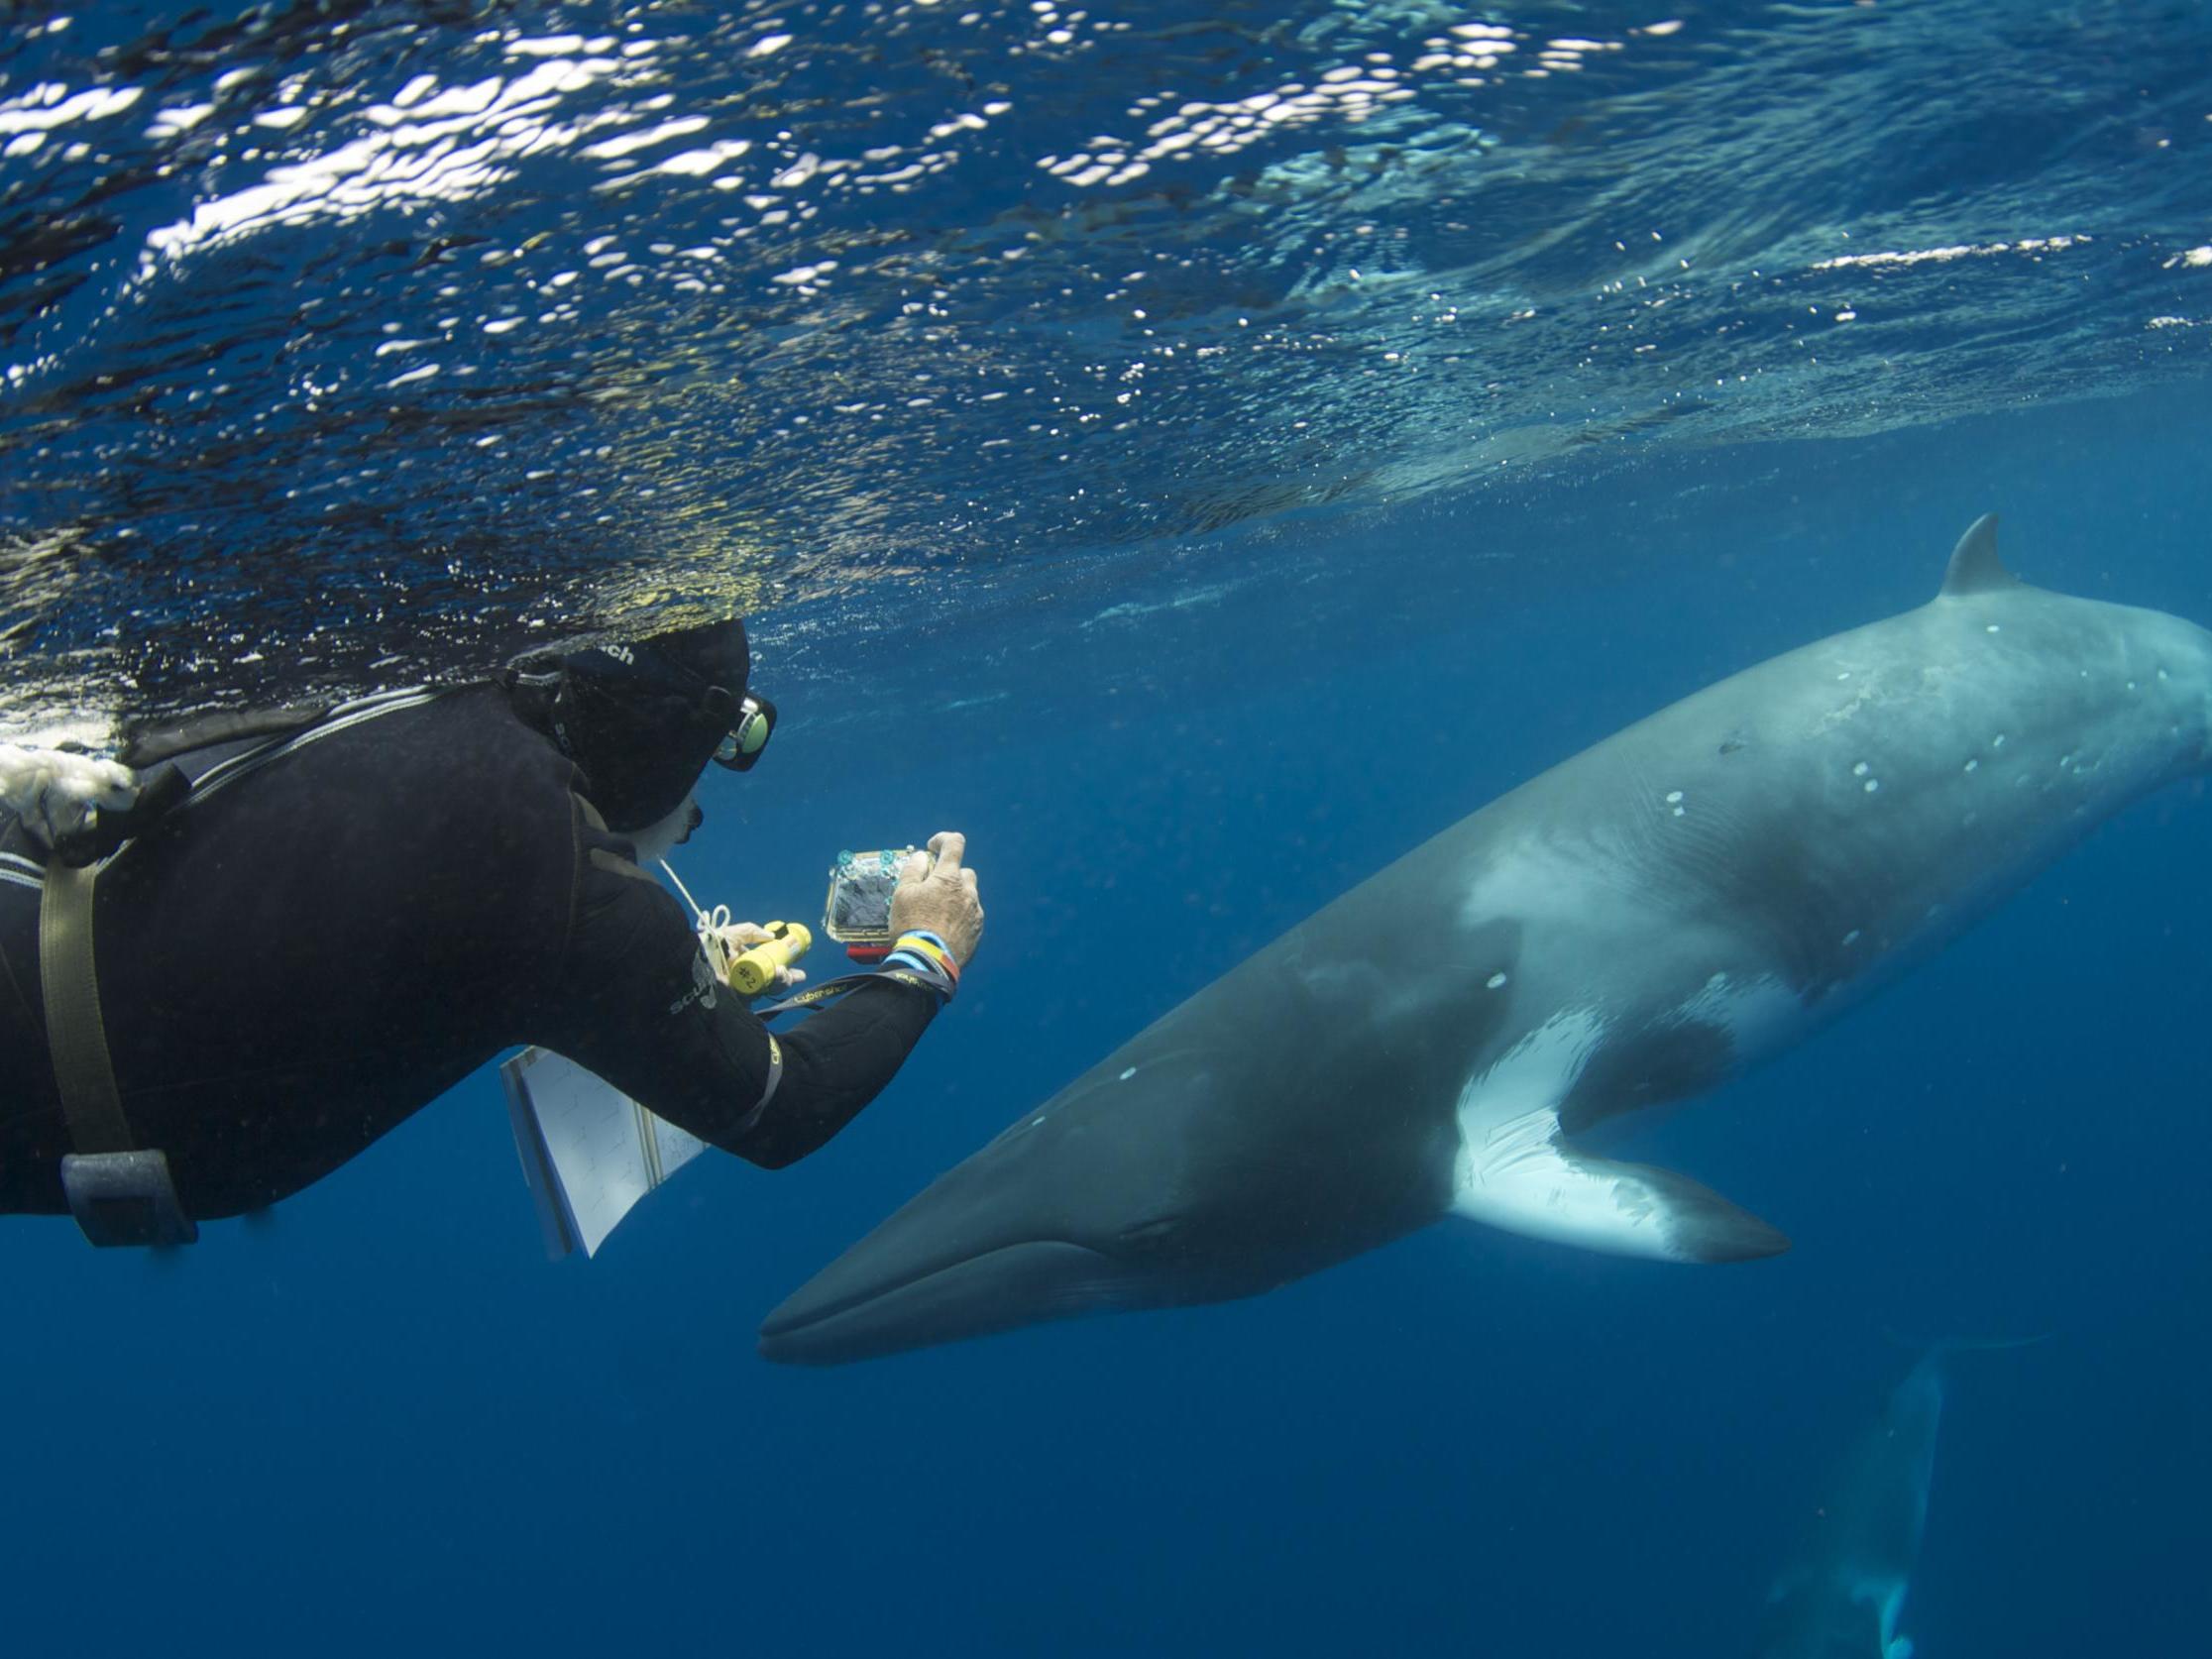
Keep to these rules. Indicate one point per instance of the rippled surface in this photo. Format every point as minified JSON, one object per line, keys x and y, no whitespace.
{"x":349,"y":342}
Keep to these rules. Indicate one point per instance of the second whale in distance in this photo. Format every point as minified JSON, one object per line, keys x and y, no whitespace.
{"x":1631,"y":928}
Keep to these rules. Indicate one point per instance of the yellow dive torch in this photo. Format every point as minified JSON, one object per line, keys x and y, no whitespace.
{"x":752,"y":971}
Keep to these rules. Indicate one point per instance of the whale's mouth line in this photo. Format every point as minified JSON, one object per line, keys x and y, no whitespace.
{"x":780,"y":1325}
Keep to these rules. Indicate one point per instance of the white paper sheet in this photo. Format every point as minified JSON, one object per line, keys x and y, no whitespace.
{"x":588,"y":1151}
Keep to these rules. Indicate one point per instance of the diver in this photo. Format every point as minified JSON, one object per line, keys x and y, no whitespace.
{"x":254,"y":944}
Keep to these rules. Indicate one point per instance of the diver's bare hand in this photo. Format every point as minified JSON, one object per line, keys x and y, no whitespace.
{"x":940,"y":897}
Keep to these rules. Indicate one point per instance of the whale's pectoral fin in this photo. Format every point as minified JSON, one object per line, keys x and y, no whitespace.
{"x":1891,"y":1604}
{"x":1523,"y":1176}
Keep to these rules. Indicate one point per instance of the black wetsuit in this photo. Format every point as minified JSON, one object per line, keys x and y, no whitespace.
{"x":295,"y":961}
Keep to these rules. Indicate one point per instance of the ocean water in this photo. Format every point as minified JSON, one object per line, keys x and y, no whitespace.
{"x":1199,"y":505}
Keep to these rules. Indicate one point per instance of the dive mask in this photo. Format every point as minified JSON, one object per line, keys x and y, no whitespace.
{"x":747,"y":737}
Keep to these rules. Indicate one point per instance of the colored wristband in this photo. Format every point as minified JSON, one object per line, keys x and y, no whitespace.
{"x":925,"y":958}
{"x":936,"y":941}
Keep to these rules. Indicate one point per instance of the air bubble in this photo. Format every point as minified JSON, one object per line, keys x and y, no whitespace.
{"x":1131,"y":1072}
{"x":1872,"y":784}
{"x":1861,"y":769}
{"x":1494,"y":981}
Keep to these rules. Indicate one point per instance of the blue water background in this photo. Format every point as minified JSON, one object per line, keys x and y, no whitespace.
{"x":379,"y":1419}
{"x":1196,"y":542}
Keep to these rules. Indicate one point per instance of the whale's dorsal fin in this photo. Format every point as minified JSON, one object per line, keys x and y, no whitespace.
{"x":1974,"y":567}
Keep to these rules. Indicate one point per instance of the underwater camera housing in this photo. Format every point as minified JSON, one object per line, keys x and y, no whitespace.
{"x":857,"y":912}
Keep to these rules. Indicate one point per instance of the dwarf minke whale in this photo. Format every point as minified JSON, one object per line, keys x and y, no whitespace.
{"x":1631,"y":928}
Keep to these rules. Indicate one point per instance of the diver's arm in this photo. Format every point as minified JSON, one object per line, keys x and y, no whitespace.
{"x":634,"y":1002}
{"x":834,"y":1062}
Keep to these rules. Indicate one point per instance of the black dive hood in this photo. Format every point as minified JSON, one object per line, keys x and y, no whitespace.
{"x":642,"y":720}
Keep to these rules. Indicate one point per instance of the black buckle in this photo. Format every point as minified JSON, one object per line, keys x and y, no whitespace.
{"x":157,"y":791}
{"x":126,"y":1198}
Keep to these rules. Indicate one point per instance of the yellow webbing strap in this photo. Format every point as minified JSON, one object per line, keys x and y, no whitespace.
{"x":76,"y":1037}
